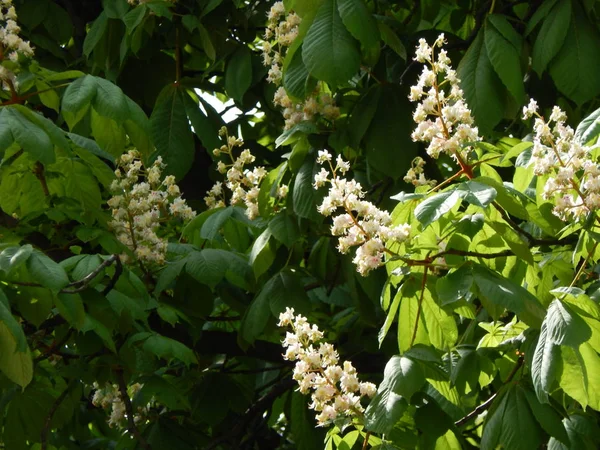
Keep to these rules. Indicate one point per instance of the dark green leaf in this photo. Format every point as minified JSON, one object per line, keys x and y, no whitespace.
{"x":96,"y":32}
{"x":11,"y":324}
{"x":171,"y":132}
{"x":284,"y":229}
{"x":329,"y":52}
{"x":551,"y":37}
{"x":238,"y":75}
{"x":359,"y":22}
{"x":47,"y":272}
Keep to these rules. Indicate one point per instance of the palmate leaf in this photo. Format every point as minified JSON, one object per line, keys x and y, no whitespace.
{"x":329,"y":51}
{"x":552,"y":35}
{"x":359,"y":22}
{"x":589,"y":128}
{"x":16,"y":365}
{"x":238,"y":75}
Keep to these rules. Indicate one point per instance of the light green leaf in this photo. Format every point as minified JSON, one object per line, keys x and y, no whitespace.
{"x":16,"y":365}
{"x":589,"y":128}
{"x":580,"y":375}
{"x":436,"y":206}
{"x":329,"y":52}
{"x":29,"y":135}
{"x":478,"y":194}
{"x":11,"y":324}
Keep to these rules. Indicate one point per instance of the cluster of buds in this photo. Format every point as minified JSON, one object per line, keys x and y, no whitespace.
{"x":416,"y":174}
{"x":109,"y":397}
{"x":142,"y":201}
{"x":573,"y":177}
{"x":318,"y":104}
{"x":281,"y":31}
{"x":12,"y":47}
{"x":335,"y":389}
{"x":361,"y":224}
{"x":442,"y":116}
{"x":243,"y":183}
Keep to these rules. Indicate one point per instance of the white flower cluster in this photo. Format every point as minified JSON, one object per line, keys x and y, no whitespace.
{"x":361,"y":224}
{"x":336,"y":390}
{"x":280,"y":33}
{"x":442,"y":116}
{"x":142,"y":200}
{"x":243,"y":183}
{"x":416,"y":174}
{"x":109,"y":397}
{"x":574,"y":178}
{"x":11,"y":45}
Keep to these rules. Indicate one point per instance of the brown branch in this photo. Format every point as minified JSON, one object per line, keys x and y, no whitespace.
{"x":55,"y":406}
{"x":55,"y":347}
{"x":484,"y":406}
{"x":38,"y":171}
{"x":131,"y":427}
{"x":367,"y":436}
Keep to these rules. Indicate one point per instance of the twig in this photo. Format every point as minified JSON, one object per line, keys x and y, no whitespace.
{"x":367,"y":436}
{"x":133,"y":430}
{"x":38,"y":171}
{"x":484,"y":406}
{"x":55,"y":347}
{"x":55,"y":406}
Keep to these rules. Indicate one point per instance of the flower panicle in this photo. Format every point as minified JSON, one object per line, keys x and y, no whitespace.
{"x":334,"y":385}
{"x":359,"y":222}
{"x":243,"y":183}
{"x":443,"y":118}
{"x":12,"y":47}
{"x":573,"y":182}
{"x":142,"y":200}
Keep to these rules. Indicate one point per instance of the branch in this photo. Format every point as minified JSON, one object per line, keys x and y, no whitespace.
{"x":133,"y":430}
{"x":484,"y":406}
{"x":55,"y":347}
{"x":55,"y":406}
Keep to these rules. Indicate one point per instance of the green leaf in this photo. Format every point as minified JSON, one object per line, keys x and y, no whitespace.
{"x":506,"y":293}
{"x":576,"y":70}
{"x":544,"y":365}
{"x":389,"y":319}
{"x":134,"y":17}
{"x":478,"y":194}
{"x":78,"y":97}
{"x":262,"y":254}
{"x":392,"y":40}
{"x":204,"y":128}
{"x":551,"y":37}
{"x":359,"y":22}
{"x":580,"y":375}
{"x":284,"y":229}
{"x":70,"y":306}
{"x":171,"y":132}
{"x":167,"y":348}
{"x":510,"y":424}
{"x":238,"y":75}
{"x":296,"y":77}
{"x":455,"y":286}
{"x":93,"y":36}
{"x":564,"y":327}
{"x":434,"y":207}
{"x":29,"y":135}
{"x":110,"y":101}
{"x":504,"y":55}
{"x":547,"y":417}
{"x":209,"y":266}
{"x":481,"y":85}
{"x":46,"y":272}
{"x":387,"y":406}
{"x":16,"y":365}
{"x":329,"y":52}
{"x":11,"y":324}
{"x":304,"y":196}
{"x":405,"y":376}
{"x":589,"y":128}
